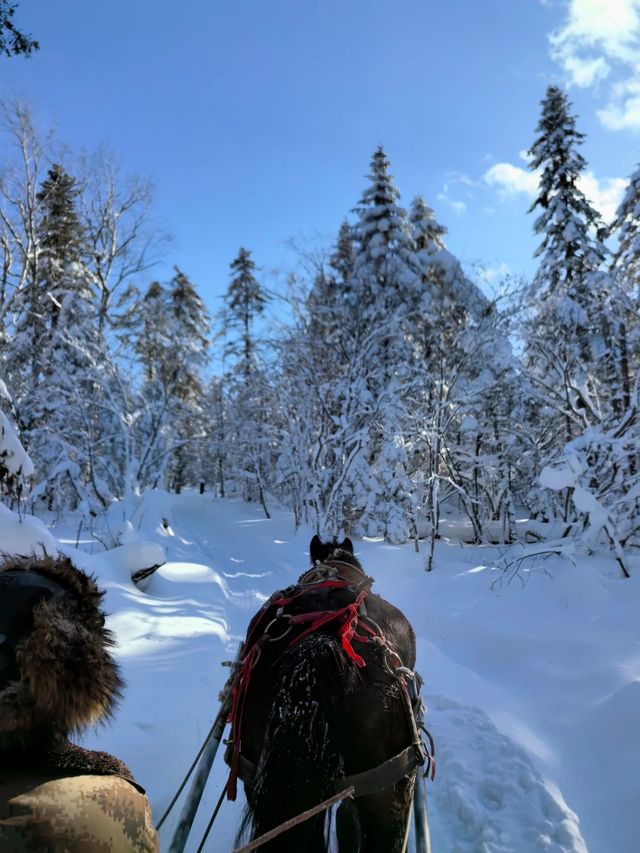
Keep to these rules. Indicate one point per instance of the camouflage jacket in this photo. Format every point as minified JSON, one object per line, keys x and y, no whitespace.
{"x":72,"y":801}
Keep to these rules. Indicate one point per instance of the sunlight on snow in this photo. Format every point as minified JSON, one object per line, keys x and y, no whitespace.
{"x":137,"y":631}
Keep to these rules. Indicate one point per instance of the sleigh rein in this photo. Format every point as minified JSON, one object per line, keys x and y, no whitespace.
{"x":274,"y":624}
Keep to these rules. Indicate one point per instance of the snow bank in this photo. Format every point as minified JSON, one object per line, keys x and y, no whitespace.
{"x":24,"y":534}
{"x":533,"y":688}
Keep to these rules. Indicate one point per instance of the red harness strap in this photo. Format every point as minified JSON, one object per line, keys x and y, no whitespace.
{"x":346,"y":616}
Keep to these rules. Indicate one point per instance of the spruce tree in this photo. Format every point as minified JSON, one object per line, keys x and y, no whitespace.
{"x":570,"y":254}
{"x":246,"y":300}
{"x":383,"y":296}
{"x":151,"y":333}
{"x":383,"y":281}
{"x":567,"y":331}
{"x":59,"y":404}
{"x":248,"y":428}
{"x":189,"y":334}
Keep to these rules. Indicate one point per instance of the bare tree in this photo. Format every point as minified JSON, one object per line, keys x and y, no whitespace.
{"x":122,"y":241}
{"x":20,"y":180}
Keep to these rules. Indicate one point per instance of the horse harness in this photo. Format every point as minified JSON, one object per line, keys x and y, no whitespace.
{"x":351,"y":623}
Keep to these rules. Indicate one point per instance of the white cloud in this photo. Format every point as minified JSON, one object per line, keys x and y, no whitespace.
{"x":511,"y":180}
{"x":458,"y":207}
{"x":623,"y":110}
{"x":605,"y":195}
{"x":596,"y":31}
{"x":599,"y":40}
{"x":585,"y":72}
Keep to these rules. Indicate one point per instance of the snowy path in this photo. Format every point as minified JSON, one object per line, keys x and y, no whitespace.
{"x":502,"y":779}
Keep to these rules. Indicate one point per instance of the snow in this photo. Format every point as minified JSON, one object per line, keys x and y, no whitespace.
{"x":24,"y":534}
{"x":533,"y":688}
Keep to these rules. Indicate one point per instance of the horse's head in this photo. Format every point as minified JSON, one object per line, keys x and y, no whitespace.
{"x":322,"y":551}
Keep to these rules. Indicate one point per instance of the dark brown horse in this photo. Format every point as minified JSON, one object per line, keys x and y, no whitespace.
{"x":321,"y":702}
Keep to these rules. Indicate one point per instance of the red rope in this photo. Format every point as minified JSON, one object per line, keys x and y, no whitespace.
{"x":348,"y":618}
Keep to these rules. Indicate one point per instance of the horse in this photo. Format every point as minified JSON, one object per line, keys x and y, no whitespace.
{"x":321,"y":702}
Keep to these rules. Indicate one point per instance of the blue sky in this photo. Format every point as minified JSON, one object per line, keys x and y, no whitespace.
{"x":256,"y":119}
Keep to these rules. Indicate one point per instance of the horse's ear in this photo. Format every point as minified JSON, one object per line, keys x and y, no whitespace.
{"x":347,"y":545}
{"x":315,"y":549}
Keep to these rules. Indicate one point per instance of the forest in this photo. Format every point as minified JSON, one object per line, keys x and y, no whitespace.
{"x":396,"y":392}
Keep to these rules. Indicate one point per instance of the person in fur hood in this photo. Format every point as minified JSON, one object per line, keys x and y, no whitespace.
{"x":57,"y":676}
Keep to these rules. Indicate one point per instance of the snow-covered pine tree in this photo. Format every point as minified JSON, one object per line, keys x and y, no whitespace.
{"x":384,"y":295}
{"x":576,"y":347}
{"x":245,"y":300}
{"x":247,"y":432}
{"x":566,"y":327}
{"x":167,"y":331}
{"x":571,"y":250}
{"x":600,"y":468}
{"x":145,"y":331}
{"x":59,"y":405}
{"x":384,"y":284}
{"x":190,"y":328}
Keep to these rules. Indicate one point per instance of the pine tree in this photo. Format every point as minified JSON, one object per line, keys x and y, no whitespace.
{"x":248,"y":426}
{"x":383,"y":295}
{"x":168,"y":329}
{"x":246,"y":300}
{"x":566,"y":329}
{"x":59,"y":403}
{"x":148,"y":326}
{"x":569,"y":255}
{"x":189,"y":333}
{"x":576,"y":345}
{"x":383,"y":282}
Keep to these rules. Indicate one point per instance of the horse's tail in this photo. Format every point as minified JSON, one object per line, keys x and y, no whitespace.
{"x":302,"y":753}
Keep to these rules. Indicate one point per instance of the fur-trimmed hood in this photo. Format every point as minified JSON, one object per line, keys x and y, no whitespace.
{"x":57,"y":674}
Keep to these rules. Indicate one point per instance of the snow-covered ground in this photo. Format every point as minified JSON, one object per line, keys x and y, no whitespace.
{"x":533,"y":688}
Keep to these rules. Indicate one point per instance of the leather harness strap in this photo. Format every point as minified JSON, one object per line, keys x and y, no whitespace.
{"x":382,"y":776}
{"x":365,"y":783}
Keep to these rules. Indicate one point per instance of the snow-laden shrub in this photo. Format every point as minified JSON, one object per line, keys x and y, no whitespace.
{"x":601,"y":470}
